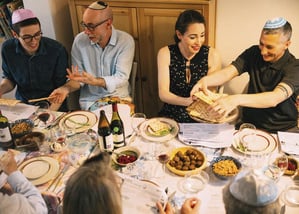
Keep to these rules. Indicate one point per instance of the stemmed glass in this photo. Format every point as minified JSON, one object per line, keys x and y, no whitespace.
{"x":136,"y":120}
{"x":247,"y":134}
{"x":163,"y":156}
{"x":43,"y":112}
{"x":277,"y":164}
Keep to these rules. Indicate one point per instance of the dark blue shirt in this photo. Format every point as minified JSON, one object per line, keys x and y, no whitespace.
{"x":36,"y":75}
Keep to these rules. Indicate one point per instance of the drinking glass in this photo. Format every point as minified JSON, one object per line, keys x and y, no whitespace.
{"x":43,"y":112}
{"x":247,"y":134}
{"x":58,"y":139}
{"x":194,"y":183}
{"x":277,"y":164}
{"x":136,"y":120}
{"x":163,"y":156}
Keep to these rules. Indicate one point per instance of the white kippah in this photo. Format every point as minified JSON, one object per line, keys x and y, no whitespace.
{"x":253,"y":189}
{"x":275,"y":23}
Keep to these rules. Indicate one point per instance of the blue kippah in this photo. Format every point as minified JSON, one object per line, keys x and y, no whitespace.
{"x":275,"y":23}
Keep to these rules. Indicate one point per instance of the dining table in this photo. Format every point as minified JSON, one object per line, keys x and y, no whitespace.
{"x":147,"y":167}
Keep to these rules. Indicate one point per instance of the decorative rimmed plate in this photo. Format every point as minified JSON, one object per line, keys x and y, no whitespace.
{"x":265,"y":143}
{"x":183,"y":150}
{"x":146,"y":133}
{"x":290,"y":196}
{"x":79,"y":121}
{"x":48,"y":167}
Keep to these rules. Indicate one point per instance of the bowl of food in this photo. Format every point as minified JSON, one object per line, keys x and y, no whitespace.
{"x":225,"y":167}
{"x":292,"y":166}
{"x":30,"y":142}
{"x":125,"y":155}
{"x":186,"y":160}
{"x":21,"y":127}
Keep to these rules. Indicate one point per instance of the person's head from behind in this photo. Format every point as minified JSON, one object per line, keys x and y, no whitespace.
{"x":26,"y":28}
{"x":249,"y":193}
{"x":190,"y":30}
{"x":97,"y":22}
{"x":275,"y":39}
{"x":93,"y":188}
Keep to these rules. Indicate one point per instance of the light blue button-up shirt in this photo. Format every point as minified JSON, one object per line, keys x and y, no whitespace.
{"x":113,"y":63}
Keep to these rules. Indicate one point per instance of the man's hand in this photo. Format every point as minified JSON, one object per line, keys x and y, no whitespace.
{"x":190,"y":206}
{"x":201,"y":85}
{"x":168,"y":209}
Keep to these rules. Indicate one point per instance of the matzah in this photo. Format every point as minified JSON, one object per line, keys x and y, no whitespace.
{"x":9,"y":102}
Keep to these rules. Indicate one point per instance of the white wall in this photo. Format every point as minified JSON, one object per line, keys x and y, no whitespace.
{"x":239,"y":24}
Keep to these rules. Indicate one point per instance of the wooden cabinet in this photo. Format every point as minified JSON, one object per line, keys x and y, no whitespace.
{"x":151,"y":23}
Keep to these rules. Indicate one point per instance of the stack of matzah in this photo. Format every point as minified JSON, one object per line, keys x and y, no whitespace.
{"x":9,"y":102}
{"x":198,"y":109}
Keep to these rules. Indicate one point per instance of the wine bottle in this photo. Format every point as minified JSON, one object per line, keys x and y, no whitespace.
{"x":105,"y":134}
{"x":117,"y":128}
{"x":6,"y":140}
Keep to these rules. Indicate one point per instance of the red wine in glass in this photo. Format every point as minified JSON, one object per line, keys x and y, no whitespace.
{"x":44,"y":117}
{"x":163,"y":158}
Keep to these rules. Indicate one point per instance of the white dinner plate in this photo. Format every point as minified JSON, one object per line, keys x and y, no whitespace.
{"x":36,"y":169}
{"x":79,"y":121}
{"x":146,"y":134}
{"x":124,"y":111}
{"x":48,"y":166}
{"x":290,"y":196}
{"x":264,"y":143}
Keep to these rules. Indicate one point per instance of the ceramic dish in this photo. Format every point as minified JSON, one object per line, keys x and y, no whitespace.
{"x":21,"y":127}
{"x":227,"y":170}
{"x":79,"y":121}
{"x":40,"y":170}
{"x":290,"y":196}
{"x":182,"y":150}
{"x":265,"y":143}
{"x":30,"y":142}
{"x":129,"y":154}
{"x":146,"y":133}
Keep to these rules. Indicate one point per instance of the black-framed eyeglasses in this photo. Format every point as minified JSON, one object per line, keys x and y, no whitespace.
{"x":92,"y":27}
{"x":99,"y":5}
{"x":29,"y":38}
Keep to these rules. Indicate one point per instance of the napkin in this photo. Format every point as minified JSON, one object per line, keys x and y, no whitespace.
{"x":208,"y":135}
{"x":289,"y":142}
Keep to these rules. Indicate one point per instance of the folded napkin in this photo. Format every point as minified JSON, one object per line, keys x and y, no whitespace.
{"x":208,"y":135}
{"x":289,"y":142}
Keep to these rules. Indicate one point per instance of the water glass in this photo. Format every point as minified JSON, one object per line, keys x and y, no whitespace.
{"x":136,"y":120}
{"x":194,"y":183}
{"x":247,"y":135}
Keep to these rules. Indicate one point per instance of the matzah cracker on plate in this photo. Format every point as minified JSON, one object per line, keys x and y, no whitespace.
{"x":9,"y":102}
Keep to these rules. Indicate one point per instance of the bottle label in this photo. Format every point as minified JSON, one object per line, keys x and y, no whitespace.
{"x":5,"y":135}
{"x":118,"y":140}
{"x":106,"y":143}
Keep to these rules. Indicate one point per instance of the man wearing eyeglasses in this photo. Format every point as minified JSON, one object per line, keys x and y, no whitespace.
{"x":102,"y":58}
{"x":36,"y":65}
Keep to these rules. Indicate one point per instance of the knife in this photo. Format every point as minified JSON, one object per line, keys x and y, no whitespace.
{"x":56,"y":121}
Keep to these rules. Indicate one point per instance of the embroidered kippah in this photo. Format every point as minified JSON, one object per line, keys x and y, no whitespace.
{"x":275,"y":23}
{"x":21,"y":15}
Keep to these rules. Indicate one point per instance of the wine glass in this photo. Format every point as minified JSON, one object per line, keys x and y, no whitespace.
{"x":247,"y":134}
{"x":136,"y":120}
{"x":43,"y":112}
{"x":277,"y":164}
{"x":163,"y":157}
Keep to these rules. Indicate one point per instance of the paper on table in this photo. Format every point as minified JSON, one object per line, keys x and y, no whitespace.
{"x":140,"y":196}
{"x":19,"y":111}
{"x":289,"y":142}
{"x":209,"y":135}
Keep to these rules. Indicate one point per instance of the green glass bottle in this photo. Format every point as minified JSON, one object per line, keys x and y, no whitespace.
{"x":117,"y":128}
{"x":105,"y":134}
{"x":6,"y":140}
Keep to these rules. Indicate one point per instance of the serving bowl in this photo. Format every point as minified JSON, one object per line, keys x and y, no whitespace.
{"x":292,"y":166}
{"x":30,"y":142}
{"x":21,"y":127}
{"x":186,"y":160}
{"x":125,"y":155}
{"x":225,"y":167}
